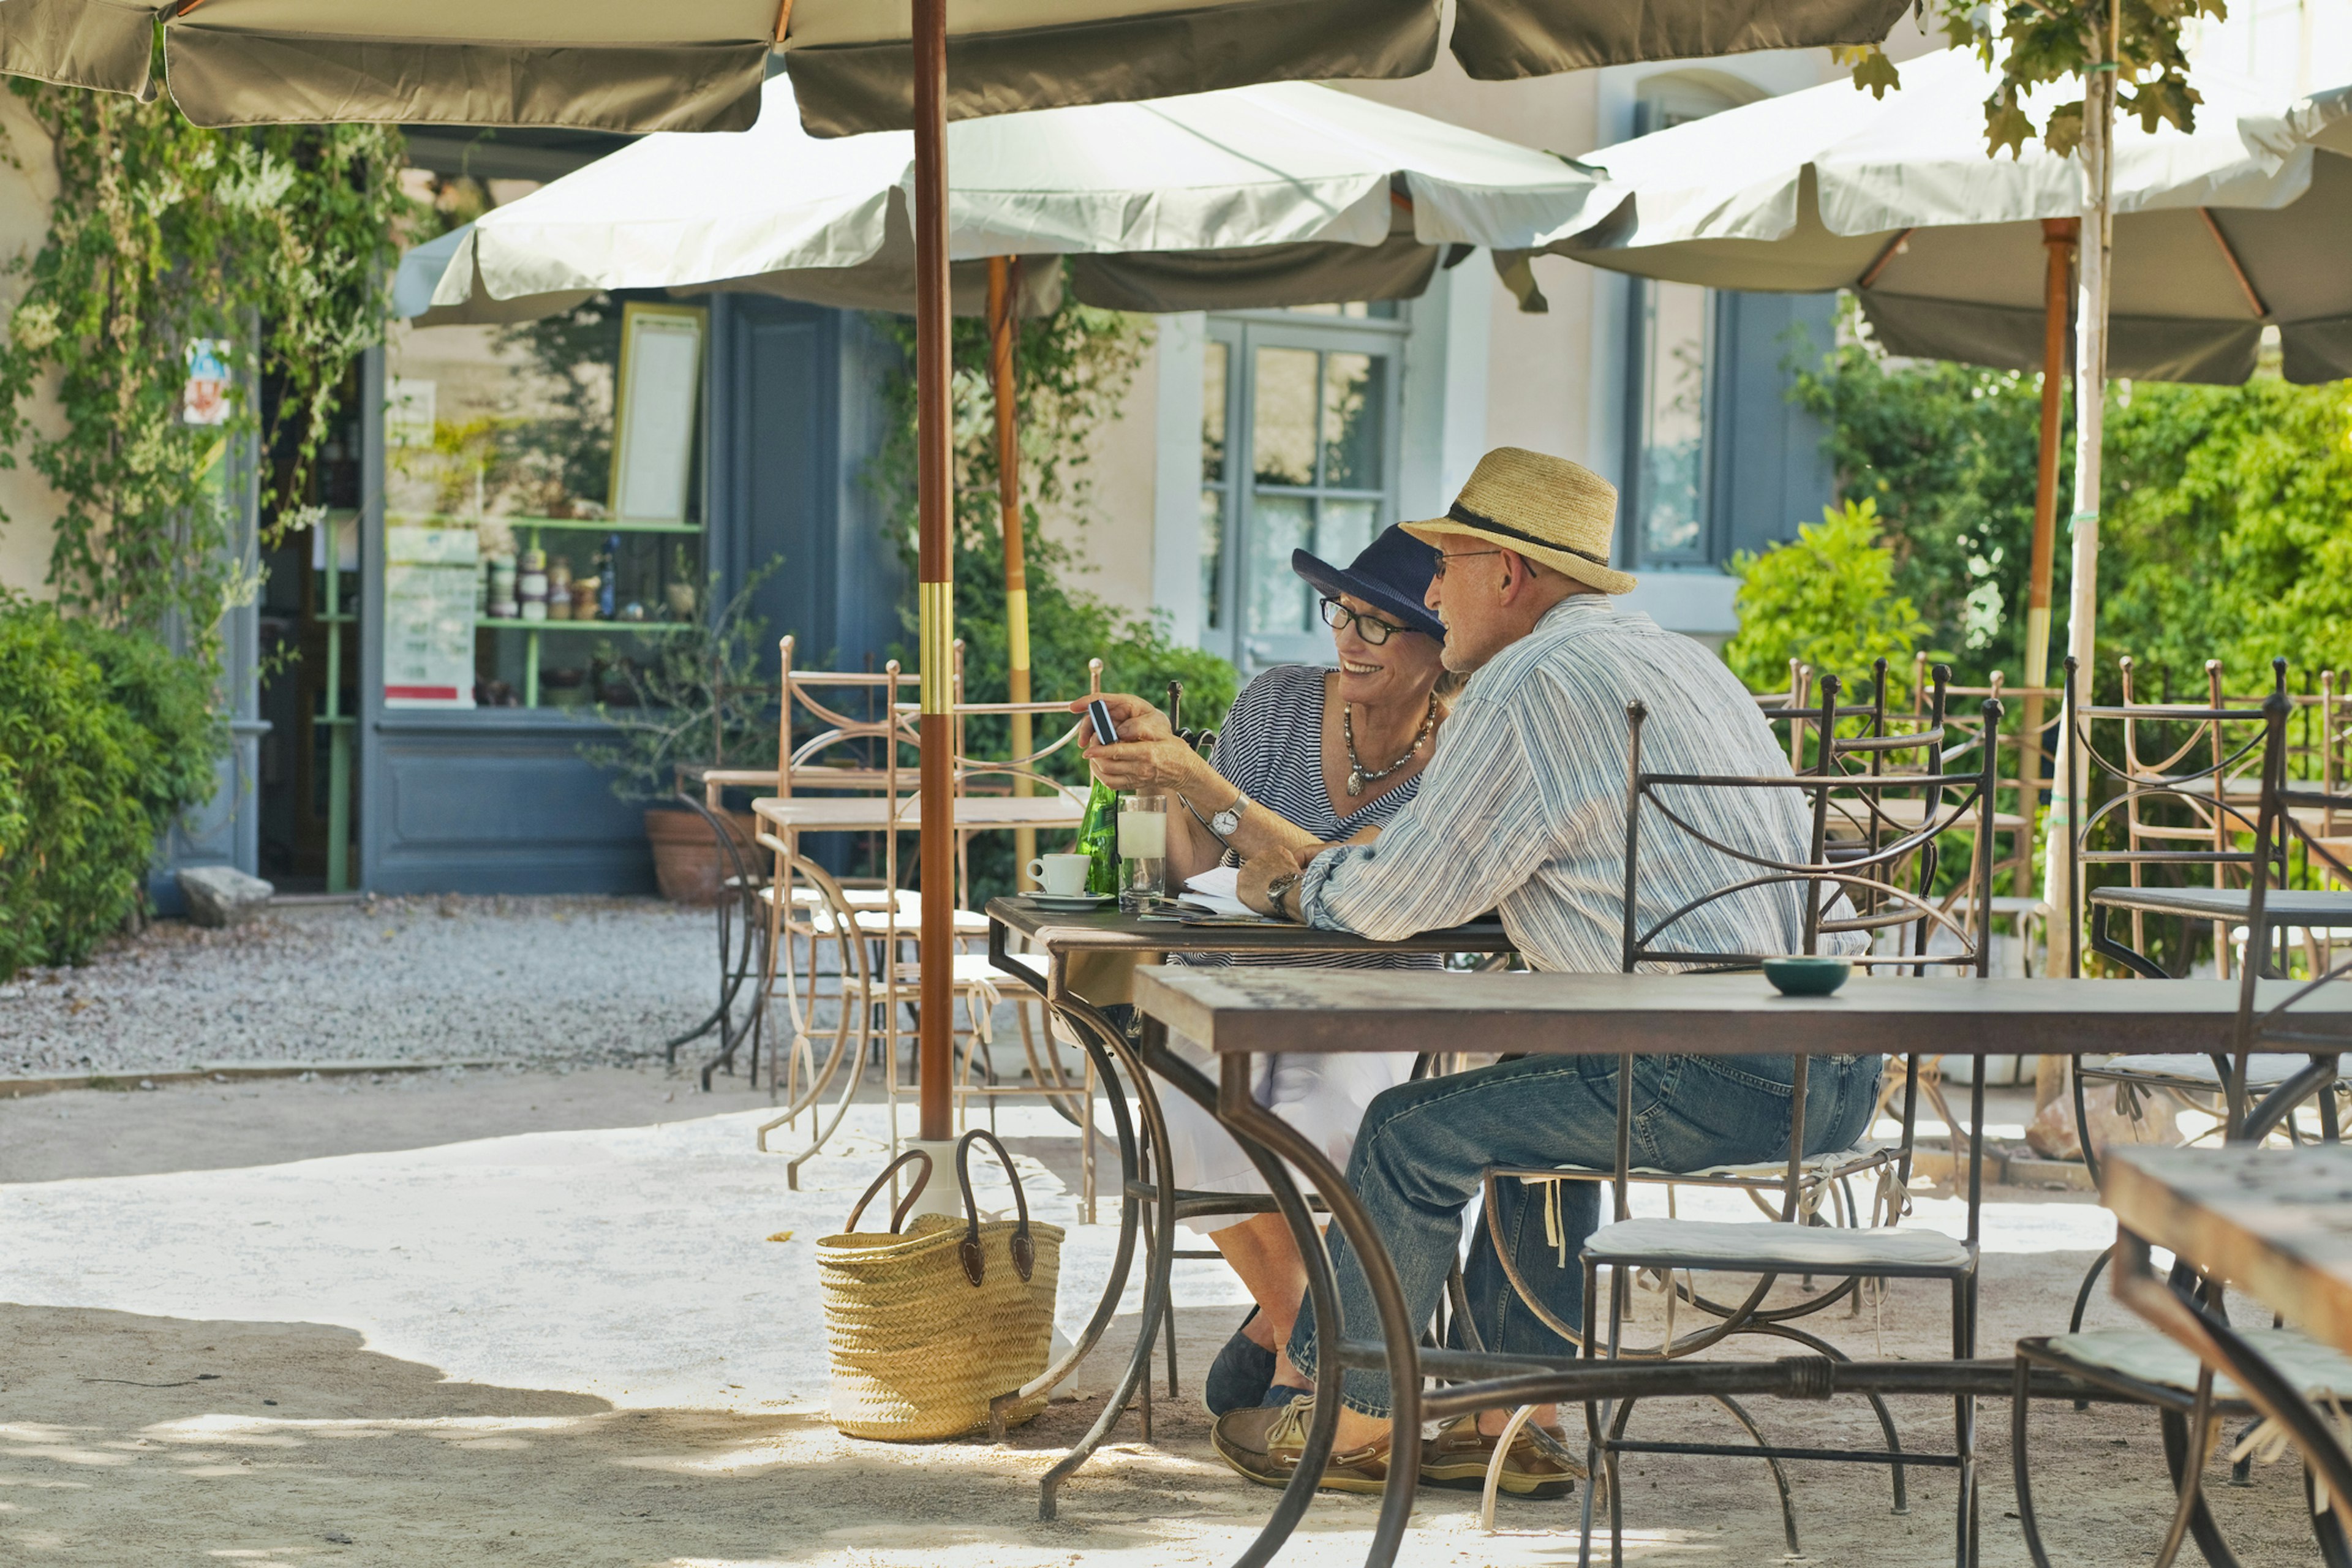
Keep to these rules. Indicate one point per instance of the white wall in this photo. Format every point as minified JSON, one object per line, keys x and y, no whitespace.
{"x":28,"y":185}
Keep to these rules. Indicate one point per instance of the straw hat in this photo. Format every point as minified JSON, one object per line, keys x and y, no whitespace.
{"x":1547,"y":509}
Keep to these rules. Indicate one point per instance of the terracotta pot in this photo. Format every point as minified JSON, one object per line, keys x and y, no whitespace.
{"x":688,"y":863}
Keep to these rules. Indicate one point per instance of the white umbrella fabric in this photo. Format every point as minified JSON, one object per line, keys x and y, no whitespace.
{"x":2241,"y":226}
{"x":1286,"y":193}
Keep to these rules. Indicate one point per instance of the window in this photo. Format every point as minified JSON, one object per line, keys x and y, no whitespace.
{"x":1297,"y":453}
{"x":1673,"y":339}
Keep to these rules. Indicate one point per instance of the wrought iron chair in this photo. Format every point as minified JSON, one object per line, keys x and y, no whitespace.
{"x":1848,"y":888}
{"x":2141,"y":1365}
{"x":2172,"y":807}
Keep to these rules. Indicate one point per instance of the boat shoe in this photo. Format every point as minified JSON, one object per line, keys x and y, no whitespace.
{"x":1537,"y":1466}
{"x":1263,"y":1444}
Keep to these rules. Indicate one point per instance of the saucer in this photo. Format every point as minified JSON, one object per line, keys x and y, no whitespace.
{"x":1071,"y":904}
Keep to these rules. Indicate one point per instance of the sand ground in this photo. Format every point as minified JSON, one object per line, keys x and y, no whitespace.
{"x":534,"y":1317}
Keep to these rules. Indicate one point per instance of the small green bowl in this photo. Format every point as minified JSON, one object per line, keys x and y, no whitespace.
{"x":1806,"y":976}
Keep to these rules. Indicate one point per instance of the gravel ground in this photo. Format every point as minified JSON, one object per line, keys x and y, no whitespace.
{"x":545,"y":980}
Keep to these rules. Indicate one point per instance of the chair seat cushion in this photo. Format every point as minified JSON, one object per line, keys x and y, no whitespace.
{"x":2265,"y":1070}
{"x":1751,"y":1246}
{"x":1826,"y":1167}
{"x":2149,"y":1357}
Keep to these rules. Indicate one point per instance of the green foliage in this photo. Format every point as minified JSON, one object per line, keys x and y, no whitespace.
{"x":1070,"y":371}
{"x":2040,"y":42}
{"x":565,"y":456}
{"x":2229,"y":528}
{"x":2225,"y":529}
{"x":702,"y":698}
{"x":104,"y":736}
{"x":1826,"y":597}
{"x":1948,"y":452}
{"x":271,"y":243}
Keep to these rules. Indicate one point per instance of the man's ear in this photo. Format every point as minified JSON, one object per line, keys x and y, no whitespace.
{"x":1516,"y":574}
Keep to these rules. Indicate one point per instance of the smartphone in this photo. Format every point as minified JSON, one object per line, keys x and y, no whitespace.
{"x":1106,"y":732}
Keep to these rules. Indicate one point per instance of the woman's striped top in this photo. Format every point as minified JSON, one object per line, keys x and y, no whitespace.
{"x":1271,"y":749}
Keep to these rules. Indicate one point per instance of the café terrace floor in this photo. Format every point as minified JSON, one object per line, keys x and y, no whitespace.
{"x":540,"y":1317}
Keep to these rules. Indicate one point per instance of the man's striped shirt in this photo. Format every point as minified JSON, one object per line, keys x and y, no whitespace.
{"x":1522,"y":809}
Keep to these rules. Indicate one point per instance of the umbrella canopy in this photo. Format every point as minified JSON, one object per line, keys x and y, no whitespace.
{"x":2241,"y":226}
{"x":1284,"y":193}
{"x":606,"y":65}
{"x":850,"y":58}
{"x":696,"y":65}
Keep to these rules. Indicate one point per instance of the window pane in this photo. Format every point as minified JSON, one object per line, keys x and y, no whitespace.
{"x":1282,"y":439}
{"x":1343,"y":529}
{"x":1212,"y":559}
{"x":1352,"y":404}
{"x":1279,"y":601}
{"x":1674,"y":419}
{"x":1212,"y":414}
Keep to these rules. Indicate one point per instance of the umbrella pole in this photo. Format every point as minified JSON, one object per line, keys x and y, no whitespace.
{"x":2090,"y":406}
{"x":1003,"y":323}
{"x":2058,"y":236}
{"x":936,"y":609}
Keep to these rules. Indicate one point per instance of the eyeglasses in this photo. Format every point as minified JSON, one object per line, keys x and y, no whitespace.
{"x":1372,"y":628}
{"x":1459,"y":556}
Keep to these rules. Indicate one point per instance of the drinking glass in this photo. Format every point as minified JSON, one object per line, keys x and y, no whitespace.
{"x":1142,"y":851}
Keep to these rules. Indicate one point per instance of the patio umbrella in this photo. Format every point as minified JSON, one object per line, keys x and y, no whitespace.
{"x":849,"y":58}
{"x":2218,"y":234}
{"x":690,"y":65}
{"x":1279,"y":195}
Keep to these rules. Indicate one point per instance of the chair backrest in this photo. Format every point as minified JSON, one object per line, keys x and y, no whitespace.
{"x":2290,"y":809}
{"x":1832,"y":887}
{"x":2168,"y":769}
{"x":1842,"y":891}
{"x":2031,"y":716}
{"x":845,"y":729}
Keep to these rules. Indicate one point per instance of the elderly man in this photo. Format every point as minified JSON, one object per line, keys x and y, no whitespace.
{"x":1522,"y":810}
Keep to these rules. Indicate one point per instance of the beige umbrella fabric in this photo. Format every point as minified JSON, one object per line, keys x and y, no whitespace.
{"x":850,"y":58}
{"x":604,"y":64}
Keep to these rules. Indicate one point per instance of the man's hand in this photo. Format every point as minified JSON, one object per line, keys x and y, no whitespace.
{"x":1259,"y":870}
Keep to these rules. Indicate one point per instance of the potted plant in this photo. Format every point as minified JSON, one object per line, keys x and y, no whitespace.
{"x":697,"y":698}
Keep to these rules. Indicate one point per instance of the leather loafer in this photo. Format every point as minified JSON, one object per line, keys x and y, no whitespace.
{"x":1240,"y":1375}
{"x":1458,"y":1455}
{"x":1264,"y":1446}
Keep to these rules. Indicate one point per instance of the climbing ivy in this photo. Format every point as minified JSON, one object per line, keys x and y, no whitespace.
{"x":271,"y":243}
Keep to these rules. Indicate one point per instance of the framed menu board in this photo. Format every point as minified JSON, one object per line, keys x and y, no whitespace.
{"x":654,"y":402}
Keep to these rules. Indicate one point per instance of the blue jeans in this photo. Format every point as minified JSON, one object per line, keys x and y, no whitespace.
{"x":1424,"y":1147}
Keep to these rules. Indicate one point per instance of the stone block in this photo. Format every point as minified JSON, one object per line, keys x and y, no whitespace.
{"x":223,"y":895}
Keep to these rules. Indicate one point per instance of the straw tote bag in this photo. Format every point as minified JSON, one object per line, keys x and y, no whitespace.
{"x":927,"y":1325}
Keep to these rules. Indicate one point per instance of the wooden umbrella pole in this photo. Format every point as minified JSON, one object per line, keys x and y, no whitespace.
{"x":2058,"y":236}
{"x":1004,"y":321}
{"x":936,"y":610}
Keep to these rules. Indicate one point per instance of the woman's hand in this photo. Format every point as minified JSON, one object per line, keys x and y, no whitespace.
{"x":1147,"y":755}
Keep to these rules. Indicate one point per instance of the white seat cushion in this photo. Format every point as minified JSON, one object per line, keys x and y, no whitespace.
{"x":1813,"y":1167}
{"x":2145,"y":1354}
{"x":1790,"y":1248}
{"x":2265,"y":1070}
{"x":907,"y":925}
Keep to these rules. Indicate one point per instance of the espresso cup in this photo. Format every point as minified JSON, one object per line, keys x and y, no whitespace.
{"x":1062,"y":876}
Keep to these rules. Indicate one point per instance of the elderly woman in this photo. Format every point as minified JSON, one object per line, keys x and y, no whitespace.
{"x":1308,"y":756}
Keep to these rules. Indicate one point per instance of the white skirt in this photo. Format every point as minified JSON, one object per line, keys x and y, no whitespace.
{"x":1322,"y":1096}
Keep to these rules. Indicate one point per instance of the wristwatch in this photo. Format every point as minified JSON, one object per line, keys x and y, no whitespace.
{"x":1279,"y":889}
{"x":1227,"y":822}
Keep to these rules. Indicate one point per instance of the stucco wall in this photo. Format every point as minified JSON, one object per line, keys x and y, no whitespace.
{"x":1115,"y":548}
{"x":28,"y":184}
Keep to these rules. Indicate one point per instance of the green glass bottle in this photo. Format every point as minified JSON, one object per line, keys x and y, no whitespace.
{"x":1099,"y":838}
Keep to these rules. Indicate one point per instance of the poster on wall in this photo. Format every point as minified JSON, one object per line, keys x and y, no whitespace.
{"x":653,"y":413}
{"x":428,"y":614}
{"x":203,"y":397}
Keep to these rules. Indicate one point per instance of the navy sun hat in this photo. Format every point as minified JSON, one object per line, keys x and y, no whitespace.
{"x":1392,"y":574}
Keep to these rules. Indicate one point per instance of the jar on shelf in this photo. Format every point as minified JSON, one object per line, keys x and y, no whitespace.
{"x":499,"y":572}
{"x":559,"y":590}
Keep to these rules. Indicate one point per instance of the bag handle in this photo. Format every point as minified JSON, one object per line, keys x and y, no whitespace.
{"x":1025,"y":1249}
{"x":922,"y":1179}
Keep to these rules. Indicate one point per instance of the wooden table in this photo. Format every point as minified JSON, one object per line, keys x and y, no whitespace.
{"x":873,"y":813}
{"x":2275,"y":1224}
{"x":1060,"y":937}
{"x":1237,"y":1013}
